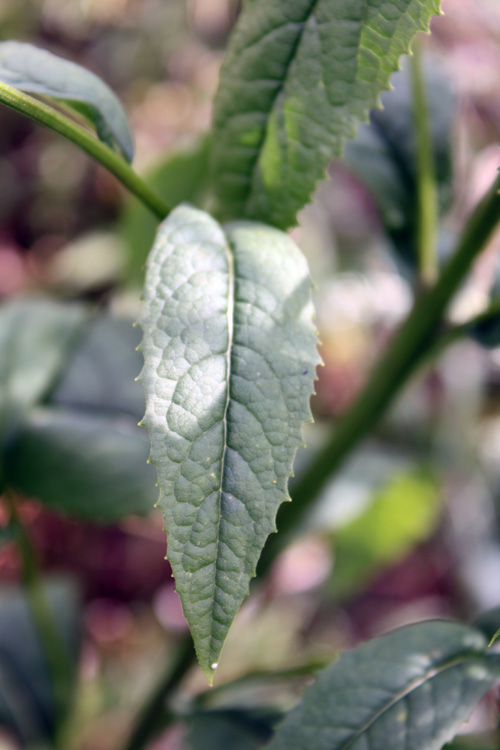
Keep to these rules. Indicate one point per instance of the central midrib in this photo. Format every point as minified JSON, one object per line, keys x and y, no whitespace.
{"x":410,"y":688}
{"x":230,"y":334}
{"x":291,"y":58}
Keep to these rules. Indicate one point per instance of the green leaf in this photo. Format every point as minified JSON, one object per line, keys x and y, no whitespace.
{"x":100,"y":376}
{"x":408,"y":690}
{"x":36,"y":71}
{"x":84,"y":454}
{"x":230,"y":357}
{"x":90,"y":467}
{"x":401,"y":515}
{"x":179,"y":177}
{"x":36,"y":337}
{"x":234,"y":729}
{"x":297,"y":80}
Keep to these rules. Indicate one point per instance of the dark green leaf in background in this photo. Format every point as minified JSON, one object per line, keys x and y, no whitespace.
{"x":408,"y":690}
{"x":83,"y":454}
{"x":297,"y":80}
{"x":230,"y":359}
{"x":100,"y":376}
{"x":90,"y":467}
{"x":36,"y":337}
{"x":37,"y":71}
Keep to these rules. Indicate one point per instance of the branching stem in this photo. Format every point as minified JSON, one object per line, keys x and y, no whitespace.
{"x":426,"y":179}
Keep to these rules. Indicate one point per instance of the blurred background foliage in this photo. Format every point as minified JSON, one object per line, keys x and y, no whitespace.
{"x":410,"y":527}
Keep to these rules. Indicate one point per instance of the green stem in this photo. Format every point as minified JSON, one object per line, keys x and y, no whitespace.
{"x":59,"y":123}
{"x":427,"y":192}
{"x":56,"y":653}
{"x":406,"y":351}
{"x":147,"y":722}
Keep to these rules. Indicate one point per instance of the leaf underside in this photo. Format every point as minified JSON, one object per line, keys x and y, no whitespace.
{"x":230,"y":357}
{"x":408,"y":690}
{"x":297,"y":80}
{"x":36,"y":71}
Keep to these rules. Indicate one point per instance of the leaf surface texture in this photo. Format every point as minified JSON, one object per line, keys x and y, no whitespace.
{"x":230,"y":357}
{"x":297,"y":80}
{"x":408,"y":690}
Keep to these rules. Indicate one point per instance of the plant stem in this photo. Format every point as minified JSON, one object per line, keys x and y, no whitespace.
{"x":147,"y":722}
{"x":59,"y":123}
{"x":426,"y":180}
{"x":406,"y":351}
{"x":58,"y":660}
{"x":409,"y":347}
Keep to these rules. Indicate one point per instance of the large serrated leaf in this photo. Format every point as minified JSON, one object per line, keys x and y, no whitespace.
{"x":230,"y":357}
{"x":408,"y":690}
{"x":37,"y":71}
{"x":297,"y":80}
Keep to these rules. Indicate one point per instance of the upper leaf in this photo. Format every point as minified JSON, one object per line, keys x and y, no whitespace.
{"x":297,"y":80}
{"x":37,"y":71}
{"x":408,"y":690}
{"x":230,"y":357}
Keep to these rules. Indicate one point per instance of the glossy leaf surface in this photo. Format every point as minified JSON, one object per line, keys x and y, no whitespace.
{"x":297,"y":80}
{"x":230,"y":357}
{"x":37,"y":71}
{"x":408,"y":690}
